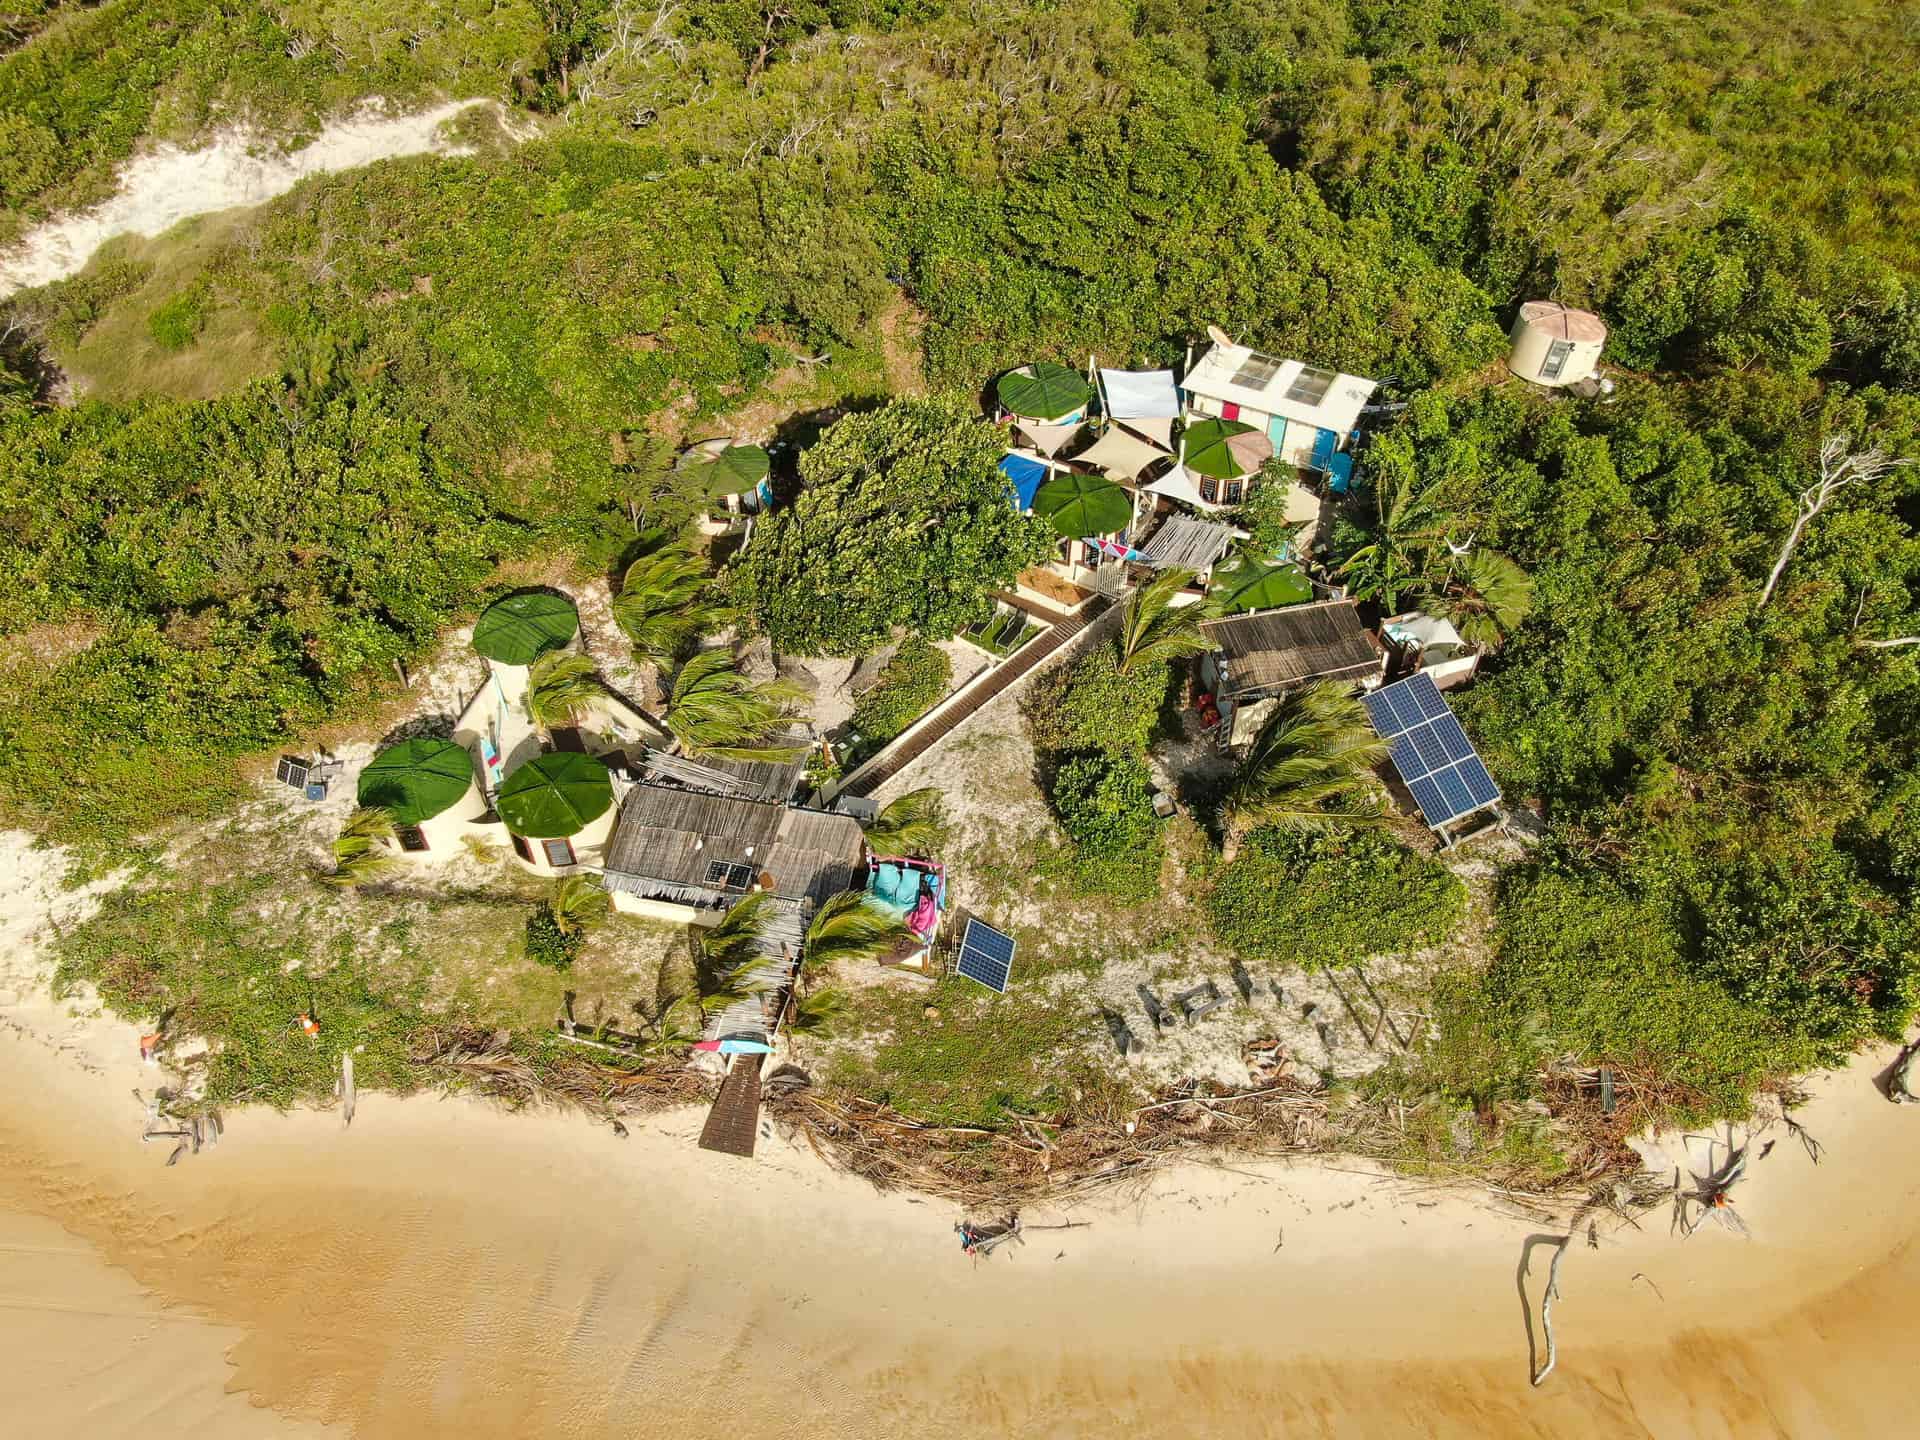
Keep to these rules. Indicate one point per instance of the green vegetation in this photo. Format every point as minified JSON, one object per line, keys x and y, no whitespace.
{"x":1310,"y":769}
{"x":713,"y":710}
{"x":1092,"y":704}
{"x":902,"y":521}
{"x":1104,"y":803}
{"x":912,"y":683}
{"x":1318,"y":902}
{"x":547,"y":943}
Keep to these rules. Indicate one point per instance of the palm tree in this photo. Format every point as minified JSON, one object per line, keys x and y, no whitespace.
{"x":850,"y":929}
{"x":665,"y":604}
{"x":1314,"y":753}
{"x":818,"y":1014}
{"x":1152,"y":629}
{"x":1486,"y":600}
{"x":579,"y":902}
{"x":360,"y":854}
{"x":716,"y":712}
{"x":731,"y":954}
{"x":915,"y":824}
{"x":1407,"y":520}
{"x":561,"y":687}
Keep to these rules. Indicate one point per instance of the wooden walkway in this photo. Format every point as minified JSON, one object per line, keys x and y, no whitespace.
{"x":944,"y":721}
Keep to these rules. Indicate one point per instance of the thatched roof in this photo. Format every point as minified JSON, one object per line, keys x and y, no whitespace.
{"x":1277,"y":650}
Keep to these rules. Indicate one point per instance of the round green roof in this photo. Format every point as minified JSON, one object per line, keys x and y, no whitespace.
{"x":1225,"y":449}
{"x":555,"y":795}
{"x":417,"y":779}
{"x":1083,"y":505}
{"x":737,"y":469}
{"x":1256,"y":584}
{"x":521,"y":628}
{"x":1043,"y":391}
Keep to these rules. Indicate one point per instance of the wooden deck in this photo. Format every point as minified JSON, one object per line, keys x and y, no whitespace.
{"x":945,"y":720}
{"x":733,"y":1124}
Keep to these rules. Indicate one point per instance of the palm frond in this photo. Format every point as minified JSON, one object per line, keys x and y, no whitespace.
{"x":1310,"y":766}
{"x":850,"y":929}
{"x":666,"y":603}
{"x":820,"y":1013}
{"x":735,"y":941}
{"x":1488,"y":600}
{"x":715,"y":711}
{"x":561,"y":687}
{"x":914,"y":824}
{"x":579,"y":902}
{"x":1153,"y":629}
{"x":359,"y":853}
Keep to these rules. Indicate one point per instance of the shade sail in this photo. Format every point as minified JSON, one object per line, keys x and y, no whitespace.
{"x":1043,"y":391}
{"x":417,"y":779}
{"x":554,"y":796}
{"x":1083,"y":505}
{"x":1119,"y":454}
{"x":1225,"y":449}
{"x":1157,"y":429}
{"x":1026,"y":475}
{"x":1262,"y":585}
{"x":736,"y":470}
{"x":1048,"y":439}
{"x":521,"y":628}
{"x":1136,"y":394}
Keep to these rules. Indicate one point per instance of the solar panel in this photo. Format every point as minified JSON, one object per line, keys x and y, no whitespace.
{"x":292,"y":772}
{"x":986,"y":955}
{"x":1430,"y":750}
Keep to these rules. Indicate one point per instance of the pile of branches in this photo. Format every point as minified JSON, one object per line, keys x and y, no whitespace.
{"x":490,"y":1063}
{"x":1035,"y":1156}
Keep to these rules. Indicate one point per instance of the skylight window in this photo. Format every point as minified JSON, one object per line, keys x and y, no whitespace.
{"x":1256,"y":372}
{"x":1310,"y":386}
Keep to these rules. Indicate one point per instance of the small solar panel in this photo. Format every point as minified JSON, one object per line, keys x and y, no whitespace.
{"x":1430,"y":750}
{"x":986,"y":955}
{"x":292,"y":772}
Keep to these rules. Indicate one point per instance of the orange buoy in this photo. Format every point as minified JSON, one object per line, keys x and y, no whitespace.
{"x":149,"y":1047}
{"x":309,"y":1026}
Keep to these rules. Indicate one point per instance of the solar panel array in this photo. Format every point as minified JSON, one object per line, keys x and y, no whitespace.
{"x":293,"y":772}
{"x":986,"y":955}
{"x":1430,"y":750}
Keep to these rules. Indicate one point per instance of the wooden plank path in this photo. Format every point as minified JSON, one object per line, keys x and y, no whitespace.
{"x":943,"y":721}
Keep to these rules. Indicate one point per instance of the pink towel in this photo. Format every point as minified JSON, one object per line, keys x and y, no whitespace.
{"x":922,"y":919}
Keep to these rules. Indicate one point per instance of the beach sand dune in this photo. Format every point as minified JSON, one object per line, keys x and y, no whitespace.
{"x":448,"y":1269}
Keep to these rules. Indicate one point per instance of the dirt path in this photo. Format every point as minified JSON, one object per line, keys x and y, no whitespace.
{"x":169,"y":184}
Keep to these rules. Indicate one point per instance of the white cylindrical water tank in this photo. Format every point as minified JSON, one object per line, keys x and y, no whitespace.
{"x":1554,"y":344}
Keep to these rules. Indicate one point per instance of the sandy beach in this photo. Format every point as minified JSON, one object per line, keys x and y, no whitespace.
{"x":446,"y":1268}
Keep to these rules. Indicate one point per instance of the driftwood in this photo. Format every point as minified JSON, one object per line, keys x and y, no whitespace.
{"x":1551,"y":1294}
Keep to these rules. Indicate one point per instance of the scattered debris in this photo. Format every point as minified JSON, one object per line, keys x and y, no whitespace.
{"x":980,"y":1241}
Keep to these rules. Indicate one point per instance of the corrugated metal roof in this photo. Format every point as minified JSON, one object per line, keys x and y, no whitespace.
{"x":1216,"y":375}
{"x":1279,"y":649}
{"x":671,"y":837}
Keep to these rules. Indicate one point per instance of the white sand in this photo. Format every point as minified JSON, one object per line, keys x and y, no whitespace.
{"x":168,"y":184}
{"x":445,"y":1268}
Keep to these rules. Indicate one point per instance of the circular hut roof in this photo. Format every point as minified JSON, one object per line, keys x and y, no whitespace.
{"x":521,"y":628}
{"x":1043,"y":391}
{"x":1083,"y":505}
{"x":556,"y":795}
{"x":733,"y":470}
{"x":1225,"y":449}
{"x":417,"y":779}
{"x":1563,"y":322}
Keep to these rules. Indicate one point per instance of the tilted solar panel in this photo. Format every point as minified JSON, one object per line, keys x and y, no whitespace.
{"x":986,"y":956}
{"x":1430,"y":750}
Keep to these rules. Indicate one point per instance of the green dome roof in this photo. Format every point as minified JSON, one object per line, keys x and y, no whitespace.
{"x":1083,"y":505}
{"x":417,"y":779}
{"x":552,"y":796}
{"x":521,"y":628}
{"x":1043,"y":391}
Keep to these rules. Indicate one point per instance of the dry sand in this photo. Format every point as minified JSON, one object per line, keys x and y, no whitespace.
{"x":169,"y":184}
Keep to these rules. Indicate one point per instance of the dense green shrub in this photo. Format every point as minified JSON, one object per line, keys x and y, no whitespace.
{"x":177,"y":322}
{"x":912,"y":682}
{"x":1332,"y":900}
{"x":549,"y":945}
{"x":1092,"y":704}
{"x":1104,"y":803}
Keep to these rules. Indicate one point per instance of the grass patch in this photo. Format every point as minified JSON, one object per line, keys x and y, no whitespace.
{"x":985,"y":1054}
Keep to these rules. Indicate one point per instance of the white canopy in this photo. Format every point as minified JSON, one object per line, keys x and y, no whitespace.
{"x":1157,"y":428}
{"x":1177,"y":484}
{"x":1140,"y":394}
{"x":1121,"y":455}
{"x":1048,"y":439}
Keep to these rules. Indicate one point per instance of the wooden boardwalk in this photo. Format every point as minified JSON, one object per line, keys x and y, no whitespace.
{"x":944,"y":721}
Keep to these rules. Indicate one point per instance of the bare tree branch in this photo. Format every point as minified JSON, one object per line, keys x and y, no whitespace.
{"x":1838,"y":470}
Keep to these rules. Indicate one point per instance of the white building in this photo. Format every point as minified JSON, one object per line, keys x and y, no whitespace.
{"x":1307,"y":412}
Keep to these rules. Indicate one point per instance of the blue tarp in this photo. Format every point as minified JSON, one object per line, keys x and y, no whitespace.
{"x":1026,"y":475}
{"x":1340,"y":473}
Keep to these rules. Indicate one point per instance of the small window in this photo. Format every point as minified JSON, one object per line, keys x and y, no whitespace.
{"x":1556,"y":361}
{"x":1256,"y":372}
{"x":411,"y":837}
{"x":559,"y":853}
{"x":521,"y":848}
{"x":1236,"y":491}
{"x":728,"y":875}
{"x":1209,"y":489}
{"x":1310,"y":386}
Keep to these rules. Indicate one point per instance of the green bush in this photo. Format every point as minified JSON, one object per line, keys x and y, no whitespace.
{"x":1104,"y":803}
{"x":1093,"y":705}
{"x":548,"y":944}
{"x":178,"y":321}
{"x":1321,"y":901}
{"x":914,"y":680}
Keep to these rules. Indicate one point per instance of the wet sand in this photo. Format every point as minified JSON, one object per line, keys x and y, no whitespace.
{"x":448,"y":1269}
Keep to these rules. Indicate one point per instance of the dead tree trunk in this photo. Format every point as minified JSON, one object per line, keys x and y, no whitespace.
{"x":1838,"y":469}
